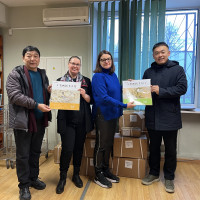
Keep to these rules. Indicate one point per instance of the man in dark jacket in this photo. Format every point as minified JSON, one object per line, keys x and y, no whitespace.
{"x":163,"y":119}
{"x":28,"y":93}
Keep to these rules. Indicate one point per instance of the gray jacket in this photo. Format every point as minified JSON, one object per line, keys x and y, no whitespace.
{"x":18,"y":95}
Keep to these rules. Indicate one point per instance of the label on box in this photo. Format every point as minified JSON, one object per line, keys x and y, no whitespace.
{"x":133,"y":118}
{"x":126,"y":132}
{"x":92,"y":144}
{"x":128,"y":164}
{"x":91,"y":162}
{"x":129,"y":144}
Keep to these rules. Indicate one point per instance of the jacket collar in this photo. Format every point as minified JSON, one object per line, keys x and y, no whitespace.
{"x":168,"y":64}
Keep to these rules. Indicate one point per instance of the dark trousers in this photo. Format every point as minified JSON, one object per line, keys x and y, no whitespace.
{"x":105,"y":131}
{"x":170,"y":142}
{"x":28,"y":149}
{"x":72,"y":143}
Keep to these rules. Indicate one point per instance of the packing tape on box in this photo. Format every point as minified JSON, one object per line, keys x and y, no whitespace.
{"x":84,"y":149}
{"x":123,"y":119}
{"x":86,"y":170}
{"x":141,"y":149}
{"x":122,"y":146}
{"x":58,"y":153}
{"x":141,"y":114}
{"x":117,"y":171}
{"x":138,"y":168}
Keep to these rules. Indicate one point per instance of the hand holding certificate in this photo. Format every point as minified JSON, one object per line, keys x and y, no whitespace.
{"x":65,"y":95}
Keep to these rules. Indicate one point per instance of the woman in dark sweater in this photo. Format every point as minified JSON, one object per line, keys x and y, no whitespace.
{"x":73,"y":125}
{"x":107,"y":108}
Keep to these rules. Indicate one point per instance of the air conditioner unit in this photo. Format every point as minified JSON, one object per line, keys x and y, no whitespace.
{"x":66,"y":16}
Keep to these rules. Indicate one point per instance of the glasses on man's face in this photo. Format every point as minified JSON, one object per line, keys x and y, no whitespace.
{"x":75,"y":64}
{"x":105,"y":59}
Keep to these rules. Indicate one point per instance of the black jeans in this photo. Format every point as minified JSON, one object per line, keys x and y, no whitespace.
{"x":72,"y":143}
{"x":105,"y":131}
{"x":28,"y":149}
{"x":170,"y":142}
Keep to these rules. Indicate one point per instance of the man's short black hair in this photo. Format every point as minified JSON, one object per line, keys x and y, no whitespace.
{"x":160,"y":44}
{"x":30,"y":48}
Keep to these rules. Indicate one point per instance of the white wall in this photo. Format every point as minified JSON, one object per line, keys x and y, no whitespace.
{"x":28,"y":29}
{"x":189,"y":137}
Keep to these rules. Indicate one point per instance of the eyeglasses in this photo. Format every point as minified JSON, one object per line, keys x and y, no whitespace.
{"x":74,"y":64}
{"x":105,"y":59}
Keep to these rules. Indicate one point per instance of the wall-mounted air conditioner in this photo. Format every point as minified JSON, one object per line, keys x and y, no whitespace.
{"x":66,"y":16}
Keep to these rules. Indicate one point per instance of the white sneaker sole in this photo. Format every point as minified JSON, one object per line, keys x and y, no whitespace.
{"x":112,"y":180}
{"x":149,"y":183}
{"x":169,"y":190}
{"x":100,"y":184}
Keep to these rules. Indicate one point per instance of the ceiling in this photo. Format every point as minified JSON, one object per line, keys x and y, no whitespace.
{"x":169,"y":3}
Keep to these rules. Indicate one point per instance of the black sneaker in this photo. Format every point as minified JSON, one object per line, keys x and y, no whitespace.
{"x":102,"y":181}
{"x":111,"y":177}
{"x":37,"y":184}
{"x":24,"y":194}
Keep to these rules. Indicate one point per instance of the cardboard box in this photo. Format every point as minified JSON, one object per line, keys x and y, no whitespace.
{"x":146,"y":134}
{"x":88,"y":150}
{"x":130,"y":147}
{"x":131,"y":131}
{"x":87,"y":167}
{"x":128,"y":167}
{"x":132,"y":119}
{"x":91,"y":134}
{"x":89,"y":145}
{"x":57,"y":152}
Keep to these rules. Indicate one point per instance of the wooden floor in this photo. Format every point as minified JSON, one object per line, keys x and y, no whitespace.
{"x":187,"y":185}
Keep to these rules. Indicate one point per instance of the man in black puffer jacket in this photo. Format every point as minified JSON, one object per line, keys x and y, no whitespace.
{"x":163,"y":118}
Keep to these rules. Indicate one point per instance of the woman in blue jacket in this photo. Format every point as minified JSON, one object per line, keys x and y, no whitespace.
{"x":107,"y":108}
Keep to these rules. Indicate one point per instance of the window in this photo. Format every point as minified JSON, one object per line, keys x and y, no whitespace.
{"x":181,"y":36}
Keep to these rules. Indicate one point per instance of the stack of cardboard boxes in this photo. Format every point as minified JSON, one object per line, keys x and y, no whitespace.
{"x":129,"y":150}
{"x":131,"y":146}
{"x":87,"y":166}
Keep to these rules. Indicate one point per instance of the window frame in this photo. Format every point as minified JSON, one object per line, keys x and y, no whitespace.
{"x":196,"y":99}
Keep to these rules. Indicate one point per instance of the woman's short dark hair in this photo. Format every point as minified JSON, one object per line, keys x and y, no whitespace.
{"x":98,"y":66}
{"x":74,"y":57}
{"x":30,"y":48}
